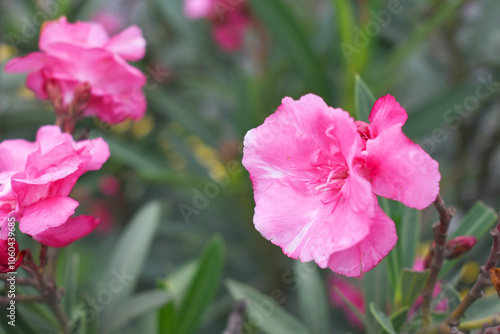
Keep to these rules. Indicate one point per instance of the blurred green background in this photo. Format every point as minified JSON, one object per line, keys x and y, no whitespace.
{"x":440,"y":59}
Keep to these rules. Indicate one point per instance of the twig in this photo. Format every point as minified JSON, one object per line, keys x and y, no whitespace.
{"x":21,"y":299}
{"x":440,"y":234}
{"x":482,"y":281}
{"x":492,"y":320}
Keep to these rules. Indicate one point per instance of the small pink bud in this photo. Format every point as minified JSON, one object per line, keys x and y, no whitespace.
{"x":459,"y":245}
{"x":10,"y":257}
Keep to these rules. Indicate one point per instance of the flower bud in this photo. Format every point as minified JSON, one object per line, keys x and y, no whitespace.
{"x":495,"y":279}
{"x":459,"y":246}
{"x":10,"y":257}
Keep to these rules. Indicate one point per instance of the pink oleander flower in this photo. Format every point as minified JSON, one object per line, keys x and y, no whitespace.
{"x":316,"y":174}
{"x":10,"y":257}
{"x":352,"y":293}
{"x":36,"y":179}
{"x":230,"y":20}
{"x":84,"y":72}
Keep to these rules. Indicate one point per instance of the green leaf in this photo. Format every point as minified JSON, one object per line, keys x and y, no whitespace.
{"x":142,"y":303}
{"x":363,"y":100}
{"x":409,"y":235}
{"x":264,"y":312}
{"x":478,"y":221}
{"x":312,"y":294}
{"x":398,"y":319}
{"x":412,"y":283}
{"x":376,"y":290}
{"x":202,"y":288}
{"x":382,"y":319}
{"x":281,"y":22}
{"x":126,"y":261}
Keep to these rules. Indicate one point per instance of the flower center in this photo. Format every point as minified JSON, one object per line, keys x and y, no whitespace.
{"x":328,"y":178}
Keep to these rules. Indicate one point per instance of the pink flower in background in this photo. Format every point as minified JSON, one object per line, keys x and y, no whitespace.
{"x":230,"y":20}
{"x":36,"y":179}
{"x":312,"y":174}
{"x":350,"y":292}
{"x":84,"y":72}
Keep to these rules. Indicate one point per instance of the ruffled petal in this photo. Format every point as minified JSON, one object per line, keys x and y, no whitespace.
{"x":84,"y":34}
{"x":366,"y":254}
{"x":385,"y":113}
{"x":14,"y":153}
{"x":129,"y":44}
{"x":73,"y":229}
{"x":304,"y":226}
{"x":46,"y":214}
{"x":401,"y":170}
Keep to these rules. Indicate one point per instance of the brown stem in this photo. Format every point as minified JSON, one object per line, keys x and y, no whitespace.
{"x":440,"y":234}
{"x":21,"y":299}
{"x":483,"y":280}
{"x":48,"y":291}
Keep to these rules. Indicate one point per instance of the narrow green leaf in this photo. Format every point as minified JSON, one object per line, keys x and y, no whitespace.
{"x":376,"y":290}
{"x":398,"y":319}
{"x":167,"y":318}
{"x":126,"y":261}
{"x":312,"y":294}
{"x":281,"y":22}
{"x":382,"y":319}
{"x":412,"y":283}
{"x":478,"y":221}
{"x":363,"y":99}
{"x":409,"y":236}
{"x":264,"y":311}
{"x":137,"y":305}
{"x":202,"y":288}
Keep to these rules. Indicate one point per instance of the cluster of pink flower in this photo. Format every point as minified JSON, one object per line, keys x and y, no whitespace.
{"x":84,"y":73}
{"x":230,"y":19}
{"x":316,"y":173}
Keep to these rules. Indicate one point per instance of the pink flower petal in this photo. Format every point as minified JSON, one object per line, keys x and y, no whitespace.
{"x":46,"y":214}
{"x":73,"y":229}
{"x":195,"y":9}
{"x":385,"y":113}
{"x":84,"y":34}
{"x":366,"y":254}
{"x":401,"y":170}
{"x":304,"y":226}
{"x":129,"y":44}
{"x":14,"y":153}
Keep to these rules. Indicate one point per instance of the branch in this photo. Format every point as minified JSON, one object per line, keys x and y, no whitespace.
{"x":440,"y":234}
{"x":492,"y":320}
